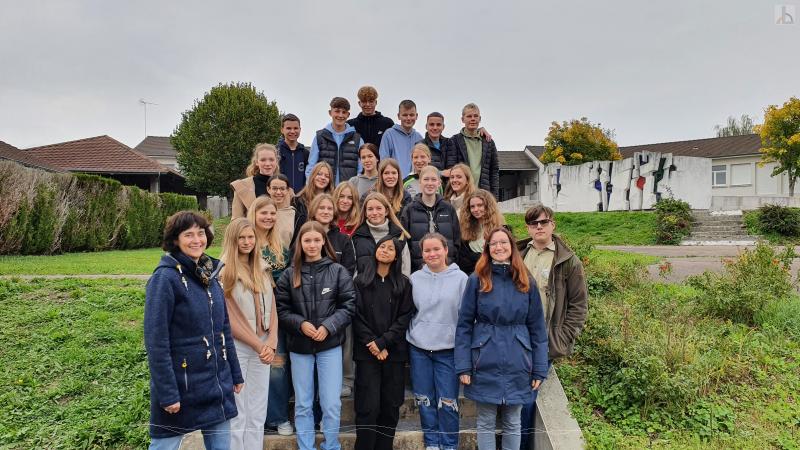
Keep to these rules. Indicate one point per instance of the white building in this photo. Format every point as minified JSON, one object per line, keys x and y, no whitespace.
{"x":736,"y":179}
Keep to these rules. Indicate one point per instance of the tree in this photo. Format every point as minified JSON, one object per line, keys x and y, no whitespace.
{"x":780,"y":139}
{"x":579,"y":141}
{"x":745,"y":125}
{"x":215,"y":139}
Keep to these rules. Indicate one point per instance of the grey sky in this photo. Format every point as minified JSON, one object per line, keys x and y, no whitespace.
{"x":653,"y":71}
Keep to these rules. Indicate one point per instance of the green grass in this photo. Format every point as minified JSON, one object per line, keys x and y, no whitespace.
{"x":115,"y":262}
{"x":74,"y":367}
{"x":606,"y":228}
{"x":612,"y":228}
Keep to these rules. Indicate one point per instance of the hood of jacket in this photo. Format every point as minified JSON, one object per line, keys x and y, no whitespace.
{"x":187,"y":267}
{"x":347,"y":129}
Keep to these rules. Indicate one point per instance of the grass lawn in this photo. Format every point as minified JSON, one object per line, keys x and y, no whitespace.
{"x":611,"y":228}
{"x":606,"y":228}
{"x":74,"y":367}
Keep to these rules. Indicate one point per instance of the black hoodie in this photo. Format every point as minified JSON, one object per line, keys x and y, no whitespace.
{"x":371,"y":128}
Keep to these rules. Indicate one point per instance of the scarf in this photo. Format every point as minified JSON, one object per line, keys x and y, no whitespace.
{"x":202,"y":269}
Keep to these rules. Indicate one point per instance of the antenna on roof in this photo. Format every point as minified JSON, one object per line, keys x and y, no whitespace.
{"x":144,"y":103}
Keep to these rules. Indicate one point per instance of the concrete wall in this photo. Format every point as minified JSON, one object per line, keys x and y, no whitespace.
{"x":554,"y":426}
{"x":750,"y":202}
{"x":628,"y":185}
{"x":218,"y":207}
{"x":760,"y":183}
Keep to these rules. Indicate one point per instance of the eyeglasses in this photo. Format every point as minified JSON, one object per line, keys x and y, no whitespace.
{"x":278,"y":189}
{"x":496,"y":243}
{"x":536,"y":223}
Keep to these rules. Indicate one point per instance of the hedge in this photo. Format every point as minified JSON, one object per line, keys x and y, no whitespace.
{"x":45,"y":213}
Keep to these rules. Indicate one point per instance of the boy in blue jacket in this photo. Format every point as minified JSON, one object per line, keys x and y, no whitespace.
{"x":337,"y":144}
{"x":293,"y":154}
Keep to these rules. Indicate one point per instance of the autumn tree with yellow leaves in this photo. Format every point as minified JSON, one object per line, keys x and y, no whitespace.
{"x":780,"y":139}
{"x":579,"y":141}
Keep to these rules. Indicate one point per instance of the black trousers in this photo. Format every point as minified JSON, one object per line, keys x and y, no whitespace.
{"x":379,"y":393}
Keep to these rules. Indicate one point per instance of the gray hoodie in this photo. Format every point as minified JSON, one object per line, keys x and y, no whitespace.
{"x":437,"y":298}
{"x":363,"y":183}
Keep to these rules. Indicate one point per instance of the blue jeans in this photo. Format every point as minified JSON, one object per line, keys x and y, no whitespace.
{"x":487,"y":417}
{"x":280,"y":386}
{"x":329,"y":380}
{"x":435,"y":385}
{"x":217,"y":437}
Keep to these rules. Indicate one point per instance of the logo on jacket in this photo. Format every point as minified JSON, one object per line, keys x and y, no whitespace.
{"x":326,"y":290}
{"x":352,"y":142}
{"x":301,"y":167}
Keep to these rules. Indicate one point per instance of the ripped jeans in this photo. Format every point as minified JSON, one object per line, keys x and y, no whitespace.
{"x":435,"y":385}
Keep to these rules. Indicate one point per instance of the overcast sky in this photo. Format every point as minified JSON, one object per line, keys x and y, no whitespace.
{"x":652,"y":71}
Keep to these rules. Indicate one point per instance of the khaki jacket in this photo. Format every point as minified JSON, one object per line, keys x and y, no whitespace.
{"x":569,"y":298}
{"x":244,"y":193}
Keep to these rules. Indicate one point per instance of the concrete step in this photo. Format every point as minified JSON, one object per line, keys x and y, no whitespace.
{"x":408,"y":409}
{"x":721,"y":237}
{"x":714,"y":227}
{"x":407,"y":437}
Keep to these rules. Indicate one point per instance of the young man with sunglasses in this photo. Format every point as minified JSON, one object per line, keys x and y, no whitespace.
{"x":562,"y":287}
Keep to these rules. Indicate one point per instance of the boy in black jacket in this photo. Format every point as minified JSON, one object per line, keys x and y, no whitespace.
{"x":369,"y":123}
{"x":294,"y":155}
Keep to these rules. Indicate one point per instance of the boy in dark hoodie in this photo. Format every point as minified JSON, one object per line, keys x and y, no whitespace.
{"x":370,"y":123}
{"x":294,"y":155}
{"x":337,"y":144}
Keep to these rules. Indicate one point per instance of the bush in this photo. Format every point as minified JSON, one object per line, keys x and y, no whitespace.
{"x":779,"y":219}
{"x":43,"y":213}
{"x":756,"y":279}
{"x":673,"y":221}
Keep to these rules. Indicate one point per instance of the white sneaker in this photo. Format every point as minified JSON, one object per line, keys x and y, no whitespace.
{"x":286,"y":429}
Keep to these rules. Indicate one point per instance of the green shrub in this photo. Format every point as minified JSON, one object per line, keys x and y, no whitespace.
{"x":673,"y":221}
{"x":755,"y":279}
{"x":779,"y":219}
{"x":41,"y":229}
{"x":45,"y":213}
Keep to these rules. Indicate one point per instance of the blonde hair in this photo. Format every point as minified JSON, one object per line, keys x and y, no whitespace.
{"x":353,"y":217}
{"x":310,"y":190}
{"x":421,"y":147}
{"x":314,"y":206}
{"x":252,"y":274}
{"x":267,"y":238}
{"x":492,"y":219}
{"x":469,"y":106}
{"x":395,"y":196}
{"x":380,"y":198}
{"x":252,"y":169}
{"x":428,"y":168}
{"x":469,"y":189}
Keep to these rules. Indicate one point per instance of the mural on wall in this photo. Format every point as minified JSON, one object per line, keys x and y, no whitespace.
{"x":631,"y":184}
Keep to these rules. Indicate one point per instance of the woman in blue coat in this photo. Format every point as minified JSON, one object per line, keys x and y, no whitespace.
{"x":501,"y":339}
{"x":194,"y":370}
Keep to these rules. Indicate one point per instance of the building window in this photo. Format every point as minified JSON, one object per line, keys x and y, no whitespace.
{"x":719,"y":175}
{"x":741,"y":174}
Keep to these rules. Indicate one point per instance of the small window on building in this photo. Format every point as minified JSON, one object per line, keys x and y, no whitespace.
{"x":741,"y":174}
{"x":719,"y":175}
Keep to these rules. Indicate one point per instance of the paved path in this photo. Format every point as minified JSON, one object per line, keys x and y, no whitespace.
{"x":89,"y":276}
{"x":688,"y":260}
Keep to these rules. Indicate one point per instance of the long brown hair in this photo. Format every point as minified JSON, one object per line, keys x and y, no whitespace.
{"x":393,"y":195}
{"x":252,"y":169}
{"x":310,"y":190}
{"x":270,"y":238}
{"x":470,"y":226}
{"x":449,"y":192}
{"x":380,"y":198}
{"x":299,"y":255}
{"x":518,"y":271}
{"x":353,"y":217}
{"x":252,"y":274}
{"x":314,"y":206}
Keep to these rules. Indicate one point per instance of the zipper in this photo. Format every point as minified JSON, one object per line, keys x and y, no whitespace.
{"x":216,"y":362}
{"x":185,"y":375}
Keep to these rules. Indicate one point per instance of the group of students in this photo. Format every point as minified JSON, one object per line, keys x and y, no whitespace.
{"x":341,"y":281}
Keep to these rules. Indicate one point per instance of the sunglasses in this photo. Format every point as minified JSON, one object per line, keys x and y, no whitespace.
{"x":537,"y":223}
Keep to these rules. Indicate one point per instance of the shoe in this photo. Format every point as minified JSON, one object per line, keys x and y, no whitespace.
{"x":347,"y":391}
{"x":286,"y":429}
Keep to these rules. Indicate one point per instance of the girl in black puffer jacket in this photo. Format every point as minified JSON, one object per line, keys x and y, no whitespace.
{"x":430,"y":213}
{"x":316,"y":300}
